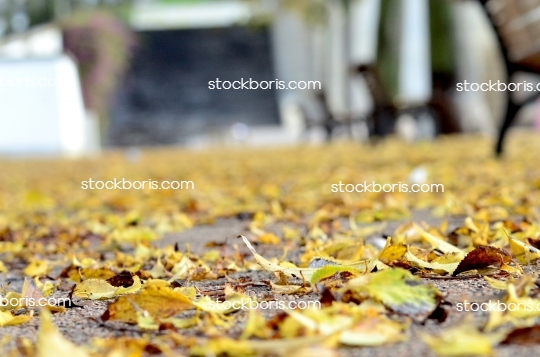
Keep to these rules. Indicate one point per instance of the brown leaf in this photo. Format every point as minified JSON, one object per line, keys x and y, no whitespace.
{"x":523,"y":336}
{"x":30,"y":291}
{"x":534,"y":242}
{"x":482,"y":257}
{"x":440,"y":314}
{"x":327,"y":298}
{"x":124,"y":279}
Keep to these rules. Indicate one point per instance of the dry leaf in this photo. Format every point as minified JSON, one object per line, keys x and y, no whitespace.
{"x":462,"y":340}
{"x":398,"y":289}
{"x":37,"y":268}
{"x":525,"y":336}
{"x":482,"y":257}
{"x":524,"y":253}
{"x":437,"y":267}
{"x":8,"y":319}
{"x":96,"y":289}
{"x":158,"y":301}
{"x":306,"y":273}
{"x":50,"y":343}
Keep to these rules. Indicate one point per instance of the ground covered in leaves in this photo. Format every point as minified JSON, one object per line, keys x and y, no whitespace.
{"x":262,"y":258}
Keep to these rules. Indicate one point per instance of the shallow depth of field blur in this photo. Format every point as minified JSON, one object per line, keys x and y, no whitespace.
{"x":80,"y":77}
{"x":120,"y":90}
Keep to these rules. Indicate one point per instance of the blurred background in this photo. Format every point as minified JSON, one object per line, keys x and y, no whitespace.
{"x":78,"y":76}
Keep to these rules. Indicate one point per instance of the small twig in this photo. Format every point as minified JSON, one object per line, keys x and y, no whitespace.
{"x":303,"y":279}
{"x":218,"y":292}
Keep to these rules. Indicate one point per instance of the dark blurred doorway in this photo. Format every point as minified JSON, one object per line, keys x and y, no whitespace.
{"x":165,"y":99}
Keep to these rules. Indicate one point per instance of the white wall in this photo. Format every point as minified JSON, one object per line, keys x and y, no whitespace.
{"x":41,"y":107}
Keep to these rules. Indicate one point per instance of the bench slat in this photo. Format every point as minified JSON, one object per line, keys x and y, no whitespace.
{"x":518,"y":23}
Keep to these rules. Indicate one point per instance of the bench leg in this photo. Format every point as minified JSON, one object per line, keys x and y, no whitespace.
{"x":511,"y":111}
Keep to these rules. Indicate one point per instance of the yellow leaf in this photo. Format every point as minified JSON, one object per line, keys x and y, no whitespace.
{"x":84,"y":263}
{"x":392,"y":252}
{"x":331,"y":270}
{"x":323,"y":322}
{"x":523,"y":252}
{"x":137,"y":285}
{"x":233,"y":302}
{"x":159,"y":271}
{"x":211,"y":256}
{"x":50,"y":343}
{"x":181,"y":322}
{"x":462,"y":340}
{"x":520,"y":311}
{"x":13,"y":301}
{"x":438,"y":243}
{"x":283,"y":347}
{"x":96,"y":289}
{"x":255,"y":326}
{"x":159,"y":301}
{"x":448,"y":258}
{"x":396,"y":288}
{"x":190,"y":292}
{"x":269,"y":238}
{"x":374,"y":331}
{"x":496,"y":284}
{"x":90,"y":273}
{"x":7,"y":319}
{"x":416,"y":262}
{"x":306,"y":273}
{"x":37,"y":268}
{"x":46,"y":288}
{"x":11,"y":247}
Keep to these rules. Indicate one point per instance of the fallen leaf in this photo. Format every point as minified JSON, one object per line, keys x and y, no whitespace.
{"x":525,"y":336}
{"x":519,"y":310}
{"x":159,"y":271}
{"x":50,"y":343}
{"x":374,"y":331}
{"x":30,"y":291}
{"x":96,"y":289}
{"x":269,"y":238}
{"x":331,"y":270}
{"x":306,"y":273}
{"x":462,"y":340}
{"x":437,"y":267}
{"x":281,"y":347}
{"x":392,"y":252}
{"x":256,"y":326}
{"x":159,"y":301}
{"x":524,"y":253}
{"x":123,"y":279}
{"x":8,"y":319}
{"x":482,"y":257}
{"x":438,"y":243}
{"x":37,"y":268}
{"x":495,"y":284}
{"x":398,"y":289}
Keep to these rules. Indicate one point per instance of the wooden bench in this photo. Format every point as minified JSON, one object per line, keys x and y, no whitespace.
{"x":517,"y":26}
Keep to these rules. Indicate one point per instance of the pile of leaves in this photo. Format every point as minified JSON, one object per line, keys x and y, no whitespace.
{"x":300,"y":241}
